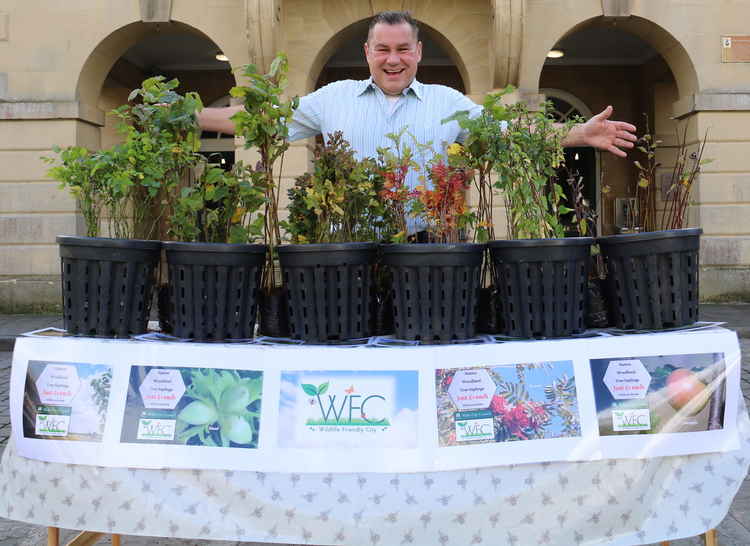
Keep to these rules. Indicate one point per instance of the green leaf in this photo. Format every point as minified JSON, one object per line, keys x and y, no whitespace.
{"x":322,"y":389}
{"x":198,"y":413}
{"x":310,"y":390}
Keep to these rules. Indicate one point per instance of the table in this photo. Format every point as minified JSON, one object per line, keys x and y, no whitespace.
{"x":615,"y":501}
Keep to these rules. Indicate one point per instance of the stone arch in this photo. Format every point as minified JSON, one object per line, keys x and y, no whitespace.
{"x":102,"y":58}
{"x":349,"y":32}
{"x":590,"y":165}
{"x":570,"y":98}
{"x":671,"y":50}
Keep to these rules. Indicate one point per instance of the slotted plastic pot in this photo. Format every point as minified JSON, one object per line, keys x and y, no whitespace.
{"x":213,"y":289}
{"x":652,"y":278}
{"x":541,"y":285}
{"x":330,"y":290}
{"x":435,"y":290}
{"x":107,"y":284}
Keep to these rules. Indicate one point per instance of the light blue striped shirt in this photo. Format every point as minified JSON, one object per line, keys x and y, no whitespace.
{"x":360,"y":109}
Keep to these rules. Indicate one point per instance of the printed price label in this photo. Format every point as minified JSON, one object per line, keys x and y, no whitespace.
{"x":58,"y":384}
{"x":627,"y":379}
{"x":162,"y":388}
{"x":472,"y":389}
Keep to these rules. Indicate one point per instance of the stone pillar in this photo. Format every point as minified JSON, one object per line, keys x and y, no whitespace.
{"x":263,"y":29}
{"x":722,"y":195}
{"x":506,"y":41}
{"x":156,"y":11}
{"x":617,"y":9}
{"x":33,"y":211}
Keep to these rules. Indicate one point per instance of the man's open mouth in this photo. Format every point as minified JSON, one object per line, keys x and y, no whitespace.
{"x":393,"y":72}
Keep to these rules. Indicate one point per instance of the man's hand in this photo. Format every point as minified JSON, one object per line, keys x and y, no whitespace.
{"x":217,"y":119}
{"x":602,"y":133}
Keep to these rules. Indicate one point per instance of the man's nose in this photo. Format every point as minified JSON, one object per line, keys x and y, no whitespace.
{"x":393,"y":57}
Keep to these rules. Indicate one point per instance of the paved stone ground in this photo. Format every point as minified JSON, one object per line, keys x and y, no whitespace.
{"x":733,"y":531}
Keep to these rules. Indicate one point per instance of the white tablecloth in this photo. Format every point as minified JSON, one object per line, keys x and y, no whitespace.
{"x":614,"y":502}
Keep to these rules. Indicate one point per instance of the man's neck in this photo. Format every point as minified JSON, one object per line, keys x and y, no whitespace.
{"x":387,"y":94}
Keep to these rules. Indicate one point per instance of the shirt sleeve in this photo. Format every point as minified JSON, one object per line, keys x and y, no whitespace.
{"x":465,"y":103}
{"x":306,"y":119}
{"x":474,"y":110}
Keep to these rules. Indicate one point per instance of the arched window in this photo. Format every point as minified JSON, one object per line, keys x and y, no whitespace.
{"x":583,"y":160}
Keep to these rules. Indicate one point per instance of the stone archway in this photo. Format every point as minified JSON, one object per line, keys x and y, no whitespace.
{"x":583,"y":162}
{"x":103,"y":57}
{"x":659,"y":38}
{"x":620,"y":63}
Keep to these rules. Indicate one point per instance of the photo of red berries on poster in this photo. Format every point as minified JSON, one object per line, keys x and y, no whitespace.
{"x":508,"y":403}
{"x":659,"y":394}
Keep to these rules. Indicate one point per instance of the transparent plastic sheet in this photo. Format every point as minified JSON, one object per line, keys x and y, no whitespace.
{"x":613,"y":501}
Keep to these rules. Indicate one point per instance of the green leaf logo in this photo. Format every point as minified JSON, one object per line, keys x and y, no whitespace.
{"x":310,"y":390}
{"x":42,"y":417}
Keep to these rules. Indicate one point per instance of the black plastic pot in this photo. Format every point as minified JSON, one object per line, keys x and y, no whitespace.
{"x":652,"y":278}
{"x":435,"y":290}
{"x":213,"y":289}
{"x":329,"y":289}
{"x":596,"y":311}
{"x":273,"y":307}
{"x":488,"y":321}
{"x":541,"y":285}
{"x":107,"y":284}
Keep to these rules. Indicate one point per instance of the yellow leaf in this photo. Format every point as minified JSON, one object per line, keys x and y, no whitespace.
{"x":455,"y":149}
{"x":238,"y":215}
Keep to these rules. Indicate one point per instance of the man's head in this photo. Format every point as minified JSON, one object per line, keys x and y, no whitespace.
{"x":393,"y":50}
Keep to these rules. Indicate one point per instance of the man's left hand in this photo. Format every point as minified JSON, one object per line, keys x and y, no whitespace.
{"x":604,"y":134}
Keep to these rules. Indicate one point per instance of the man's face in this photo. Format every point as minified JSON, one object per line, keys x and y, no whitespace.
{"x":393,"y":55}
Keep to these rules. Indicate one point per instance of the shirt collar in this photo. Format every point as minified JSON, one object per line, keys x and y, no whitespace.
{"x":415,"y":86}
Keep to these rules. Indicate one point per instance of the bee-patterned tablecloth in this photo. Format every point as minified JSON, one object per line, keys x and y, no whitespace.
{"x":614,"y":502}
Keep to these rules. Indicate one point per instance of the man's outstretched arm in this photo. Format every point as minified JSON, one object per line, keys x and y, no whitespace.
{"x":602,"y":133}
{"x":217,"y":119}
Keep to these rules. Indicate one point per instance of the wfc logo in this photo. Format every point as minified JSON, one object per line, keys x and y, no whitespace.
{"x":349,"y":408}
{"x":631,"y":419}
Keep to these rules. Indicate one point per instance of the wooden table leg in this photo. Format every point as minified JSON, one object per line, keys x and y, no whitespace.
{"x":709,"y":538}
{"x":86,"y":538}
{"x":115,"y":540}
{"x":53,"y":536}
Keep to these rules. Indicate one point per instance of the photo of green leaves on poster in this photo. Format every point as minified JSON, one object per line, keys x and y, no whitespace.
{"x":193,"y":406}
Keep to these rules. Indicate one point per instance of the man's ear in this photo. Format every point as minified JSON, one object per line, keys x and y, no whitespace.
{"x":419,"y":51}
{"x":367,"y":50}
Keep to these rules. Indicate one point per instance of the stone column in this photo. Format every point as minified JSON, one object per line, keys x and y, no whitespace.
{"x":721,"y":197}
{"x":33,"y":211}
{"x":506,"y":41}
{"x":263,"y":29}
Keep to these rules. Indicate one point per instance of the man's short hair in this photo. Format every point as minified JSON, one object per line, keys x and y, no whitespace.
{"x":393,"y":18}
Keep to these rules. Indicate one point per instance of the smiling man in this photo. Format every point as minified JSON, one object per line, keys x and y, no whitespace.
{"x":392,"y":98}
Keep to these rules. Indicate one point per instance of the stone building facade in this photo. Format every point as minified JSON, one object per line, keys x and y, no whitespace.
{"x":64,"y":65}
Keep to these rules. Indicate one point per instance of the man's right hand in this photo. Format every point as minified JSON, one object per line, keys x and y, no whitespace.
{"x":217,"y":119}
